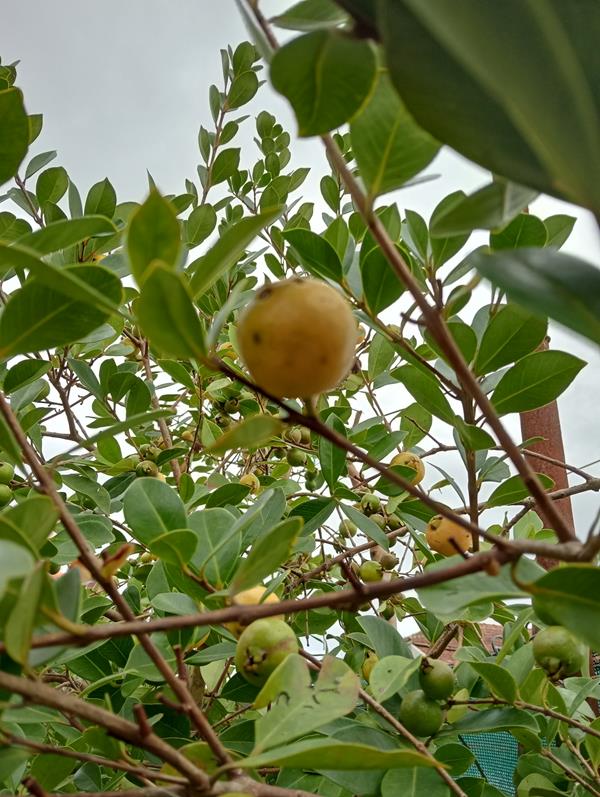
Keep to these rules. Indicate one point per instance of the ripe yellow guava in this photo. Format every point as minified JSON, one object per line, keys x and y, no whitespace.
{"x":441,"y":530}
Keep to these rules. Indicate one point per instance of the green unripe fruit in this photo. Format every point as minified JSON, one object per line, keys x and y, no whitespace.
{"x":311,"y":485}
{"x":370,"y":571}
{"x":369,"y":503}
{"x":296,"y":458}
{"x":393,"y":522}
{"x":388,"y":561}
{"x":223,"y":421}
{"x":557,"y":652}
{"x":188,"y":435}
{"x":347,"y":528}
{"x":305,"y":437}
{"x":420,"y":714}
{"x":379,"y":520}
{"x":263,"y":645}
{"x":231,"y":405}
{"x":146,"y":468}
{"x":7,"y":472}
{"x":437,"y":679}
{"x":6,"y":494}
{"x":293,"y":436}
{"x":387,"y":611}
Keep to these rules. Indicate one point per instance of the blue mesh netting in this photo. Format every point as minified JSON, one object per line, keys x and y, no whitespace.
{"x":496,"y":755}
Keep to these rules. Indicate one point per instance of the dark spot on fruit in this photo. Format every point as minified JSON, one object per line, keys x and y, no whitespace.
{"x":265,"y":292}
{"x":257,"y":337}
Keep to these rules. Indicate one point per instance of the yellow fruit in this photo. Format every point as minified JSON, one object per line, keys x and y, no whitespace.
{"x":410,"y":460}
{"x":250,"y":480}
{"x":251,"y":597}
{"x":367,"y":667}
{"x":441,"y":531}
{"x":297,"y":338}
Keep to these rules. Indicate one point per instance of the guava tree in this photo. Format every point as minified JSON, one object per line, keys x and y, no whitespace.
{"x":222,"y":415}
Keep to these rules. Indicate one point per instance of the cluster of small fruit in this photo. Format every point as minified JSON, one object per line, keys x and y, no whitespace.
{"x":7,"y":474}
{"x":148,"y":454}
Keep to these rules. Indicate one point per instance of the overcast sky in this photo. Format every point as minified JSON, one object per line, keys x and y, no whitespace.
{"x":123,"y":88}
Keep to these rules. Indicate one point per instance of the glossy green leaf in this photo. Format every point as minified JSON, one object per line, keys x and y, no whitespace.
{"x":328,"y":753}
{"x":472,"y":437}
{"x":167,"y":315}
{"x":37,"y":317}
{"x":101,"y":199}
{"x":152,"y":508}
{"x":23,"y":373}
{"x":201,"y":222}
{"x":219,"y":544}
{"x":310,"y":15}
{"x":499,"y":719}
{"x":298,"y":707}
{"x":388,"y":145}
{"x":492,"y":206}
{"x":19,"y":626}
{"x":331,"y":457}
{"x":514,"y":490}
{"x":511,"y":333}
{"x":448,"y":600}
{"x":425,"y":389}
{"x":381,"y":285}
{"x":391,"y":674}
{"x":38,"y":162}
{"x":152,"y":234}
{"x":32,"y":519}
{"x":226,"y":252}
{"x":51,"y":185}
{"x":571,"y":595}
{"x":68,"y":232}
{"x":326,"y":76}
{"x":14,"y":132}
{"x":490,"y":85}
{"x":316,"y":254}
{"x":550,"y":283}
{"x":268,"y":552}
{"x":243,"y":88}
{"x":15,"y":561}
{"x":523,"y":231}
{"x":413,"y":782}
{"x":252,"y":432}
{"x":225,"y":165}
{"x":558,"y":228}
{"x":457,"y":757}
{"x":535,"y":381}
{"x":500,"y":681}
{"x":385,"y":639}
{"x":90,"y":488}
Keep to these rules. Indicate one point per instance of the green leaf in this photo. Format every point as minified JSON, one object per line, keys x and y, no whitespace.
{"x":51,"y":185}
{"x":413,"y":782}
{"x":298,"y":707}
{"x":490,"y":85}
{"x":310,"y":15}
{"x":65,"y":233}
{"x":523,"y":231}
{"x":448,"y":601}
{"x":267,"y":553}
{"x":456,"y":757}
{"x":32,"y":520}
{"x":98,"y":494}
{"x":390,"y":675}
{"x":38,"y":162}
{"x":499,"y":719}
{"x":101,"y":199}
{"x":511,"y":333}
{"x":535,"y":381}
{"x":558,"y":228}
{"x":166,"y":313}
{"x":219,"y":545}
{"x":500,"y":681}
{"x":381,"y":285}
{"x":388,"y":145}
{"x":366,"y":525}
{"x":381,"y":355}
{"x":226,"y":252}
{"x":332,"y":458}
{"x":37,"y":317}
{"x":514,"y":490}
{"x":12,"y":228}
{"x":328,"y":753}
{"x":152,"y":508}
{"x":315,"y":253}
{"x":174,"y":547}
{"x":15,"y":562}
{"x":201,"y":222}
{"x":243,"y":88}
{"x":550,"y":283}
{"x":252,"y":432}
{"x":425,"y":390}
{"x":19,"y":626}
{"x":152,"y":234}
{"x":14,"y":132}
{"x":23,"y":373}
{"x":385,"y":638}
{"x":131,"y":422}
{"x":326,"y":76}
{"x":472,"y":437}
{"x":571,"y":595}
{"x":489,"y":208}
